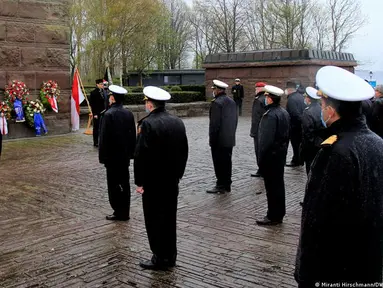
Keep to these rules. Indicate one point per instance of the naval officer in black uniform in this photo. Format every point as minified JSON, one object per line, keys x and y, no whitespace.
{"x":222,"y":128}
{"x":159,"y":164}
{"x":342,"y":216}
{"x":311,"y":127}
{"x":117,"y":145}
{"x":273,"y":141}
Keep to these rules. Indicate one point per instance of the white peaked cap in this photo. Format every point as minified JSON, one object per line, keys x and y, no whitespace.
{"x":340,"y":84}
{"x":312,"y":93}
{"x":220,"y":84}
{"x":156,"y":93}
{"x":117,"y":89}
{"x":275,"y":91}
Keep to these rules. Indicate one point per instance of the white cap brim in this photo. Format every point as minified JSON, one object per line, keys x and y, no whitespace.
{"x":340,"y":84}
{"x":312,"y":93}
{"x":220,"y":84}
{"x":156,"y":93}
{"x":275,"y":91}
{"x":117,"y":89}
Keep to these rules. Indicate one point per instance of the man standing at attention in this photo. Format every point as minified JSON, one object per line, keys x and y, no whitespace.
{"x":97,"y":105}
{"x":295,"y":107}
{"x":238,"y":95}
{"x":273,"y":143}
{"x":342,"y":215}
{"x":257,"y":112}
{"x":159,"y":164}
{"x":222,"y":128}
{"x":117,"y":145}
{"x":311,"y":125}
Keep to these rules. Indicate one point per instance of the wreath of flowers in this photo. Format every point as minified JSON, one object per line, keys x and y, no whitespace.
{"x":34,"y":106}
{"x":5,"y":110}
{"x":16,"y":90}
{"x":49,"y":90}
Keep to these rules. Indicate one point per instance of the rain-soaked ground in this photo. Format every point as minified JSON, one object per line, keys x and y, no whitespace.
{"x":53,"y":231}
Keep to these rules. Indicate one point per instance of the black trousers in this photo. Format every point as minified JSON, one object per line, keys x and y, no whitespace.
{"x":255,"y":138}
{"x":222,"y":165}
{"x":117,"y":176}
{"x":160,"y":212}
{"x":239,"y":106}
{"x":96,"y":129}
{"x":296,"y":139}
{"x":273,"y":175}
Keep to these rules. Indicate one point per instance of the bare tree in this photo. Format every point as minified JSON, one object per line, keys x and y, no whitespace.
{"x":320,"y":20}
{"x":204,"y":38}
{"x":345,"y":19}
{"x":303,"y":33}
{"x":174,"y":34}
{"x":226,"y":20}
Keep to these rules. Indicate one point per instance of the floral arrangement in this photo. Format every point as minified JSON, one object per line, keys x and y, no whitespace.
{"x":16,"y":90}
{"x":50,"y":95}
{"x":5,"y":110}
{"x":32,"y":107}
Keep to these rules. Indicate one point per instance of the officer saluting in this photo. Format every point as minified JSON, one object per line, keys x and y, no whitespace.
{"x":342,"y":217}
{"x":159,"y":164}
{"x":117,"y":145}
{"x":273,"y":141}
{"x":311,"y":125}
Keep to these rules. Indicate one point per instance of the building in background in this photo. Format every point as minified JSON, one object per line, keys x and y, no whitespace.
{"x":274,"y":67}
{"x":166,"y":77}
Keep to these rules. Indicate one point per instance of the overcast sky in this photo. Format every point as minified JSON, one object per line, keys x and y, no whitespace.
{"x":367,"y":45}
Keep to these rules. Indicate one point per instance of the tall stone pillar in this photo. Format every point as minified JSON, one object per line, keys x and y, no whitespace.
{"x":34,"y":47}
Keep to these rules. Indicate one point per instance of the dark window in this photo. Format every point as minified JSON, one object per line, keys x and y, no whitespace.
{"x":172,"y":79}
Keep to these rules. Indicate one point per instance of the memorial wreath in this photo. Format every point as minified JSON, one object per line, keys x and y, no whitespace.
{"x":50,"y":95}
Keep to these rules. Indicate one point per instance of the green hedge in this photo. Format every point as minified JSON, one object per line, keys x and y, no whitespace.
{"x":197,"y":88}
{"x":177,"y":97}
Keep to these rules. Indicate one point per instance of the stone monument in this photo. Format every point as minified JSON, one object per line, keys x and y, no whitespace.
{"x":34,"y":47}
{"x":272,"y":66}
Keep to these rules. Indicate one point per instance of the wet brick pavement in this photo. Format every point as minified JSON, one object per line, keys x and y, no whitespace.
{"x":54,"y":233}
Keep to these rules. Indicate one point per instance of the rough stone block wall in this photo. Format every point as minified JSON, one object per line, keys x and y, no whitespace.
{"x":34,"y":47}
{"x":276,"y":75}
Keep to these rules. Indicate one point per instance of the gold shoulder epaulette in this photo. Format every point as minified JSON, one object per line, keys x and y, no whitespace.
{"x":330,"y":140}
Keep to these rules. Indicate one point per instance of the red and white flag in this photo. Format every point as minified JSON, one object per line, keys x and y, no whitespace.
{"x":76,"y":99}
{"x":53,"y":102}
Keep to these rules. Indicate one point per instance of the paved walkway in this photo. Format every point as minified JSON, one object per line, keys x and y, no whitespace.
{"x":54,"y":233}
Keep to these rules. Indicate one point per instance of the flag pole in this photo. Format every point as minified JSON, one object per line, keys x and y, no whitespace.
{"x":88,"y":131}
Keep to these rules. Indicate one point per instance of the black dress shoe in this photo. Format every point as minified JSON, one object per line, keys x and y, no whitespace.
{"x":292,"y":164}
{"x":217,"y":190}
{"x":266,"y":221}
{"x":149,"y":264}
{"x":116,"y":218}
{"x":256,"y":174}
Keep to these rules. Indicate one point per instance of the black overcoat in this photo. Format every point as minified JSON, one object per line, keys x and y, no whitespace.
{"x":162,"y":149}
{"x":273,"y":137}
{"x":257,"y":112}
{"x":341,"y":236}
{"x":223,"y":121}
{"x":117,"y":136}
{"x":311,"y":126}
{"x":97,"y":101}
